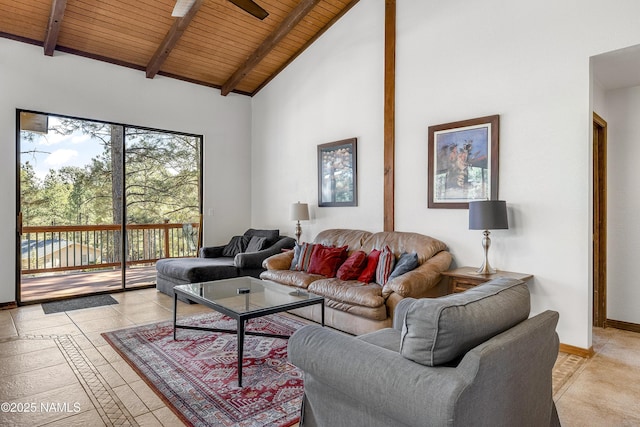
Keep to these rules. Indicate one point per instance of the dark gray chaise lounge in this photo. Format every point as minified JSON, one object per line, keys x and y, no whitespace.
{"x":237,"y":258}
{"x":467,"y":359}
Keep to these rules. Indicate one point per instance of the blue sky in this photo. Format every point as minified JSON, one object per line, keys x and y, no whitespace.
{"x":54,"y":151}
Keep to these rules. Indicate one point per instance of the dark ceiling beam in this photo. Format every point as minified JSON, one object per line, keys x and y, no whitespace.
{"x":288,"y":24}
{"x":173,"y":35}
{"x":53,"y":28}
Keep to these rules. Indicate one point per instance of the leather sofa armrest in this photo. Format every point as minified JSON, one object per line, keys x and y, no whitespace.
{"x":418,"y":282}
{"x":211,"y":251}
{"x":255,"y":259}
{"x":281,"y":261}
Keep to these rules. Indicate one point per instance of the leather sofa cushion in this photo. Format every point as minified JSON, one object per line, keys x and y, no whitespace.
{"x":376,"y":314}
{"x":299,"y":279}
{"x":353,"y":239}
{"x":350,"y":292}
{"x":436,"y":331}
{"x":400,"y":242}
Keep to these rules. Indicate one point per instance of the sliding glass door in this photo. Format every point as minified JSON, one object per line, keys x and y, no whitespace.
{"x":163,"y":194}
{"x":100,"y":202}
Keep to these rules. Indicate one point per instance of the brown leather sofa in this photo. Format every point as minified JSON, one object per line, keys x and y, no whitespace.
{"x":356,"y":307}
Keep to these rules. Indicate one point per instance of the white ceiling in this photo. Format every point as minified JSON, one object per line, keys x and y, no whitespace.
{"x":618,"y":69}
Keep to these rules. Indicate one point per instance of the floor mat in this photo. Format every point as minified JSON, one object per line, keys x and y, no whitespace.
{"x":77,"y":303}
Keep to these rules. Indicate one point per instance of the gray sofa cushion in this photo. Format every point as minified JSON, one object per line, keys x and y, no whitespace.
{"x":256,"y":244}
{"x":236,"y":245}
{"x":440,"y":330}
{"x":271,"y":235}
{"x":193,"y":270}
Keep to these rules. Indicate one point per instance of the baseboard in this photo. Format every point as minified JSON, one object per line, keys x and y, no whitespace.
{"x":626,"y":326}
{"x":578,"y":351}
{"x":8,"y":305}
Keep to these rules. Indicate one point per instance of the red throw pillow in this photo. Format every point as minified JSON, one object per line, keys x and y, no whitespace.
{"x":369,"y":272}
{"x":325,"y":260}
{"x":353,"y":266}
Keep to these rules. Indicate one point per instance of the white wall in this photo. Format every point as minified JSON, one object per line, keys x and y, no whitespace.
{"x":75,"y":86}
{"x":329,"y":94}
{"x":528,"y":62}
{"x":623,"y":203}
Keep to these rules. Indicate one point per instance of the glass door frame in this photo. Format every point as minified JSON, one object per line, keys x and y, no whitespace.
{"x":123,"y":229}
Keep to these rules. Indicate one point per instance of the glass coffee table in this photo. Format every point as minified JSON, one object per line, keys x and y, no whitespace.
{"x":243,"y":298}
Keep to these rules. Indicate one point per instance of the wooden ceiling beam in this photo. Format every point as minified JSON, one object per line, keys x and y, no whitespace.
{"x":389,"y":113}
{"x":173,"y":35}
{"x":53,"y":27}
{"x":288,"y":24}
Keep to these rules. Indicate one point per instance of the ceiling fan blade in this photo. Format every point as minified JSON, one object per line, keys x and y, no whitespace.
{"x":182,"y":7}
{"x":251,"y":7}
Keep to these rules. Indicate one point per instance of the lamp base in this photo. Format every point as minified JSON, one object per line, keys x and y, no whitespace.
{"x":298,"y":232}
{"x":486,"y":243}
{"x":486,"y":269}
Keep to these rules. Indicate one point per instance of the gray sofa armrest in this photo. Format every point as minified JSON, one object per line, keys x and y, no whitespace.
{"x":343,"y":370}
{"x":211,"y":251}
{"x":504,"y":381}
{"x":254,"y":259}
{"x":400,"y":312}
{"x":525,"y":376}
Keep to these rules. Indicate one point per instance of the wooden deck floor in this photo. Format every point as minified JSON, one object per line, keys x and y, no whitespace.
{"x":44,"y":287}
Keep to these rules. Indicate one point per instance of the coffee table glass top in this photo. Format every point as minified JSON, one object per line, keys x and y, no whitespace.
{"x":245,"y":294}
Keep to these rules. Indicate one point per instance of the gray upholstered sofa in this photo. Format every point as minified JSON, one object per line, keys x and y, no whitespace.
{"x":234,"y":259}
{"x":467,"y":359}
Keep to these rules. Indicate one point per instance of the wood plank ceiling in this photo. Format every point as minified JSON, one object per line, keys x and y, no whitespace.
{"x":216,"y":44}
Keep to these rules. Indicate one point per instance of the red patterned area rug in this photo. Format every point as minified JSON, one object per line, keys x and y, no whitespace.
{"x":196,"y":375}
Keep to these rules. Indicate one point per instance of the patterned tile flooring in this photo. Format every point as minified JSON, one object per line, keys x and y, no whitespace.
{"x":56,"y":370}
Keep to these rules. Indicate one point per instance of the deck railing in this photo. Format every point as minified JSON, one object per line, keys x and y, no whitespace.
{"x":79,"y":247}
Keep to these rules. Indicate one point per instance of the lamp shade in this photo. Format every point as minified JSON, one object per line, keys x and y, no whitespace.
{"x":299,"y":211}
{"x":488,"y":215}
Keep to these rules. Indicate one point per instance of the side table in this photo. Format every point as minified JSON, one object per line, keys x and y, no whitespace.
{"x":464,"y":278}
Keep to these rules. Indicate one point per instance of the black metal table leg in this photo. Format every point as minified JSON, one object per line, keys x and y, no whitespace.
{"x":240,"y":349}
{"x":175,"y":313}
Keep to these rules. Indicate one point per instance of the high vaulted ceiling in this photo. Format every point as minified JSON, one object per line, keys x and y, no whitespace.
{"x":216,"y":43}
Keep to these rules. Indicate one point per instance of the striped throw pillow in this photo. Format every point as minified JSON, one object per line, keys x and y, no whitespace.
{"x":306,"y":249}
{"x":386,"y":262}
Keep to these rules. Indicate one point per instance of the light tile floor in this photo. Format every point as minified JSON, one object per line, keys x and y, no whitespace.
{"x":605,"y":391}
{"x":57,"y":370}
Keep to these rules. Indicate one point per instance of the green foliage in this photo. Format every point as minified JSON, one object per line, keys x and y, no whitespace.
{"x":161,"y":179}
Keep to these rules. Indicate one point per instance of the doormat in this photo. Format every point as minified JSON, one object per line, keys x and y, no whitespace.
{"x":196,"y":375}
{"x":77,"y":303}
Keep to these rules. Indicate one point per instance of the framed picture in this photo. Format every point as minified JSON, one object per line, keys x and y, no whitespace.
{"x":463,"y":162}
{"x":337,"y":184}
